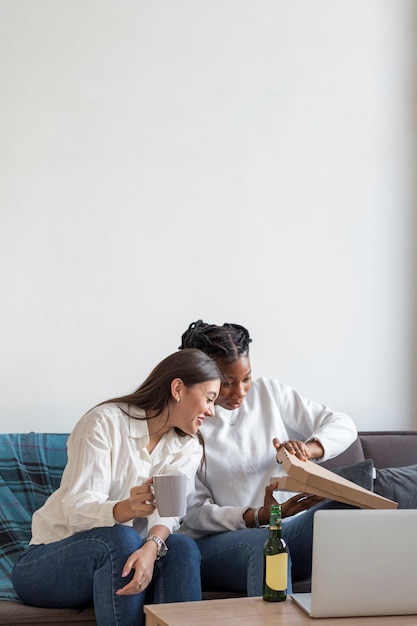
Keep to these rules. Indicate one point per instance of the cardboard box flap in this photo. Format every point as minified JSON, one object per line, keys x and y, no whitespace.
{"x":310,"y":473}
{"x":286,"y":483}
{"x":308,"y":477}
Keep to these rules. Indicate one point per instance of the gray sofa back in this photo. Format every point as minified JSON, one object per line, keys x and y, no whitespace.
{"x":386,"y":448}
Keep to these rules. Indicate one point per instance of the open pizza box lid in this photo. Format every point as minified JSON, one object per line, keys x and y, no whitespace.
{"x":309,"y":477}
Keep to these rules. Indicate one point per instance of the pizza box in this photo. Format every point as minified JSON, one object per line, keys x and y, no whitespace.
{"x":309,"y":477}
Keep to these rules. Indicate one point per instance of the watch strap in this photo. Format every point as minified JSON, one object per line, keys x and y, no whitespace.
{"x":160,"y":544}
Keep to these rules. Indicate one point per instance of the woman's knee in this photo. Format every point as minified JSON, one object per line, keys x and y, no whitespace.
{"x":119,"y":540}
{"x":184,"y":546}
{"x":125,"y":538}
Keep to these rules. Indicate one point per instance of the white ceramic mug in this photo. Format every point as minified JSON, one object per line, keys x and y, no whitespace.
{"x":170,"y":494}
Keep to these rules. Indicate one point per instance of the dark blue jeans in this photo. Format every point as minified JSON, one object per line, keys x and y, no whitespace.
{"x":86,"y":568}
{"x":233,"y":560}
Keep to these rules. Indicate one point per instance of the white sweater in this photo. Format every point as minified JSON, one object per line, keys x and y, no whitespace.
{"x":240,"y":457}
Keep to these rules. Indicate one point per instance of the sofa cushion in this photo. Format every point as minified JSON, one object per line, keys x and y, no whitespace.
{"x":399,"y":484}
{"x":360,"y":473}
{"x":17,"y":614}
{"x":31,"y":466}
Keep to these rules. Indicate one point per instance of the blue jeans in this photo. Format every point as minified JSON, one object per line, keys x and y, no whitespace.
{"x":233,"y":561}
{"x":86,"y":568}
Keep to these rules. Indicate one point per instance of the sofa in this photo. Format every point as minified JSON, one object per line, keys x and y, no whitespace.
{"x":31,"y":465}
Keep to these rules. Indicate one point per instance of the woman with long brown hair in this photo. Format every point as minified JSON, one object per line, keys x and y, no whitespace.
{"x":99,"y":538}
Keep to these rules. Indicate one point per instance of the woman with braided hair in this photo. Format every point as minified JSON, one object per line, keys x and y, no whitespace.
{"x":232,"y":490}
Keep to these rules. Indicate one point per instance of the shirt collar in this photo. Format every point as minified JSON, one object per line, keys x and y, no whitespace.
{"x":138,"y":429}
{"x":138,"y":426}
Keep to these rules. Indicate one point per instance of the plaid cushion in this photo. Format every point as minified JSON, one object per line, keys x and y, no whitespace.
{"x":31,"y":466}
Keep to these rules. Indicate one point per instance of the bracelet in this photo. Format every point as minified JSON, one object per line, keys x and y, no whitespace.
{"x":256,"y":517}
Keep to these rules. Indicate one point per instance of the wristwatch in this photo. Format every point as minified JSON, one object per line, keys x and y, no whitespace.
{"x":161,"y":545}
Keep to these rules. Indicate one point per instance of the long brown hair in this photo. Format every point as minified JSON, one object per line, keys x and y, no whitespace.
{"x":193,"y":366}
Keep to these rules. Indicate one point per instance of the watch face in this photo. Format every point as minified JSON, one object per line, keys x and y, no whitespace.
{"x":162,"y":549}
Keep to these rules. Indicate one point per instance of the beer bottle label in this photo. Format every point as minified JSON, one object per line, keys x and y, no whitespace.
{"x":276,"y":571}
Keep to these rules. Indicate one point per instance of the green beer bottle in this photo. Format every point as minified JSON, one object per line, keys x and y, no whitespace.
{"x":275,"y":568}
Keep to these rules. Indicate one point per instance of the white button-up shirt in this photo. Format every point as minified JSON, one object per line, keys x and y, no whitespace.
{"x":107,"y":456}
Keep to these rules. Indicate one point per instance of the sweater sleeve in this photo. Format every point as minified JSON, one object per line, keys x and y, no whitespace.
{"x":204,"y":517}
{"x":306,"y":420}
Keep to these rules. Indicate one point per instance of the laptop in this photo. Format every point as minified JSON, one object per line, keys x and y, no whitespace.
{"x":364,"y":564}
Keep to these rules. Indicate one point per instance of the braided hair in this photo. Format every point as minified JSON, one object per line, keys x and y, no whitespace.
{"x":226,"y":343}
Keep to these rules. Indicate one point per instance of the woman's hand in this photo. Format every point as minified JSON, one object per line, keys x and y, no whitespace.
{"x":269,"y":500}
{"x":303,"y":451}
{"x":140,"y":503}
{"x":142,"y":500}
{"x":300,"y":502}
{"x":142,"y":562}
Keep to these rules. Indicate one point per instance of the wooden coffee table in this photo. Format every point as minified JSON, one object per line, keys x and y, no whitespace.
{"x":254,"y":612}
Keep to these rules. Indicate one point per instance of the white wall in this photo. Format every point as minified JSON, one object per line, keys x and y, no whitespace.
{"x":248,"y":161}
